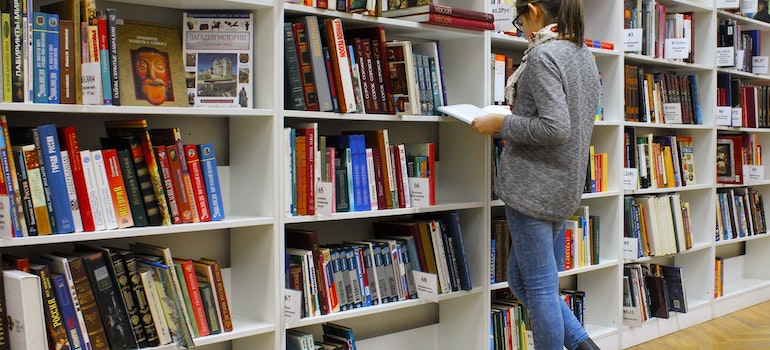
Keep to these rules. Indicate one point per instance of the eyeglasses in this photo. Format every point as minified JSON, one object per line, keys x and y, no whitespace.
{"x":517,"y":21}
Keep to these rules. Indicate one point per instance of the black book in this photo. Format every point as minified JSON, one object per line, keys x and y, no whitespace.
{"x":293,"y":95}
{"x":143,"y":180}
{"x":121,"y":278}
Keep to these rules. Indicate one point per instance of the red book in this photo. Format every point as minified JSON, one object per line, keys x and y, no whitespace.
{"x":11,"y":262}
{"x":195,"y":295}
{"x":378,"y":178}
{"x":220,"y":294}
{"x":450,"y":21}
{"x":117,"y":188}
{"x":69,"y":142}
{"x":399,"y":179}
{"x":441,"y":10}
{"x":376,"y":36}
{"x":300,"y":168}
{"x":177,"y":179}
{"x":199,"y":189}
{"x":168,"y":184}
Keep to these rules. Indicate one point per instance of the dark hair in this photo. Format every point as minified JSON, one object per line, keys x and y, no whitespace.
{"x":567,"y":14}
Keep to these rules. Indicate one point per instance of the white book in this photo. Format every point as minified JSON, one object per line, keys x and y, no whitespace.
{"x":70,"y":181}
{"x":93,"y":190}
{"x":307,"y":284}
{"x":103,"y":189}
{"x":372,"y":180}
{"x":397,"y":265}
{"x":339,"y":50}
{"x":24,"y":303}
{"x":388,"y":169}
{"x":440,"y":254}
{"x":371,"y":271}
{"x":467,"y":112}
{"x":59,"y":264}
{"x":156,"y":308}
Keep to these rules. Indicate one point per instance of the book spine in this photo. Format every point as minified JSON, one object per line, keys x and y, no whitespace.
{"x":17,"y":51}
{"x":129,"y":301}
{"x":377,"y":104}
{"x":66,"y":62}
{"x":103,"y":53}
{"x":293,"y":97}
{"x":36,"y":190}
{"x":91,"y":314}
{"x":168,"y":184}
{"x":210,"y":176}
{"x":318,"y":65}
{"x":133,"y":192}
{"x":199,"y":311}
{"x":459,"y":22}
{"x":71,"y":193}
{"x":47,"y":143}
{"x":156,"y":309}
{"x":186,"y":303}
{"x":5,"y":19}
{"x":69,"y":317}
{"x":221,"y":297}
{"x":341,"y":65}
{"x":52,"y":43}
{"x":146,"y":186}
{"x":461,"y":12}
{"x":305,"y":68}
{"x":39,"y":58}
{"x":69,"y":141}
{"x":180,"y":180}
{"x":26,"y":195}
{"x":103,"y":190}
{"x":97,"y":207}
{"x":208,"y":302}
{"x":407,"y":203}
{"x":330,"y":78}
{"x":112,"y":36}
{"x":13,"y":212}
{"x":196,"y":177}
{"x":52,"y":312}
{"x":140,"y":298}
{"x":117,"y":188}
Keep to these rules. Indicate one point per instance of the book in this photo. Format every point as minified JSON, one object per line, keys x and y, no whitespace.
{"x":39,"y":55}
{"x":440,"y":9}
{"x":186,"y":303}
{"x":208,"y":163}
{"x":305,"y":239}
{"x":154,"y":72}
{"x":449,"y":21}
{"x":170,"y":189}
{"x":218,"y":50}
{"x":5,"y":19}
{"x":343,"y":82}
{"x":198,"y":186}
{"x":104,"y":59}
{"x":39,"y":222}
{"x":121,"y":279}
{"x":133,"y":190}
{"x":317,"y":63}
{"x":220,"y":293}
{"x":305,"y":68}
{"x":467,"y":112}
{"x":172,"y":303}
{"x":112,"y":47}
{"x":118,"y":192}
{"x":292,"y":95}
{"x":85,"y":292}
{"x":59,"y":264}
{"x":209,"y":302}
{"x":57,"y":335}
{"x":25,"y":310}
{"x":103,"y":190}
{"x":154,"y":305}
{"x":69,"y":318}
{"x":54,"y":183}
{"x":194,"y":295}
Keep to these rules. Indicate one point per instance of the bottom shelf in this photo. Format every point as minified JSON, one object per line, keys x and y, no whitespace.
{"x":422,"y":338}
{"x":242,"y":327}
{"x":658,"y":327}
{"x":740,"y":294}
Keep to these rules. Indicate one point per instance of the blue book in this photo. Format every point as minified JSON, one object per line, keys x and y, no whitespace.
{"x":52,"y":43}
{"x":340,"y":332}
{"x":363,"y":285}
{"x":52,"y":174}
{"x":39,"y":58}
{"x":69,"y":317}
{"x":454,"y":230}
{"x":358,"y":174}
{"x":208,"y":162}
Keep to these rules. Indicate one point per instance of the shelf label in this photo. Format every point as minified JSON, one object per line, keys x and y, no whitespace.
{"x":759,"y":64}
{"x":324,"y":198}
{"x":753,"y":174}
{"x":630,"y":248}
{"x":419,"y":191}
{"x":737,"y":117}
{"x":749,"y":6}
{"x":427,"y":286}
{"x":739,"y":58}
{"x":292,"y":305}
{"x":677,"y":48}
{"x":728,"y":4}
{"x":723,"y":116}
{"x":725,"y":56}
{"x":504,"y":14}
{"x":672,"y":113}
{"x":630,"y":179}
{"x":632,"y":39}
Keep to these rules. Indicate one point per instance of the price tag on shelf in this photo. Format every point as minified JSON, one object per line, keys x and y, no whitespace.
{"x":723,"y":116}
{"x":630,"y":179}
{"x":630,"y":248}
{"x":677,"y":48}
{"x":739,"y":57}
{"x":324,"y":197}
{"x":632,"y":39}
{"x":759,"y":64}
{"x":427,"y":286}
{"x":292,"y":305}
{"x":504,"y":14}
{"x":753,"y":174}
{"x":728,"y":4}
{"x":672,"y":113}
{"x":737,"y":117}
{"x":725,"y":56}
{"x":749,"y":6}
{"x":419,"y":191}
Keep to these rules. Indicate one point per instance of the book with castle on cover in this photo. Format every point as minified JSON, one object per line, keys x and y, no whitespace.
{"x":152,"y":74}
{"x":218,"y":58}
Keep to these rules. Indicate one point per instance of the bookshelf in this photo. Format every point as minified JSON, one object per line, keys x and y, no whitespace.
{"x":250,"y":241}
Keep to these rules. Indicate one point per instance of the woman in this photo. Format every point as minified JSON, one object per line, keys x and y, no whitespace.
{"x":554,"y":94}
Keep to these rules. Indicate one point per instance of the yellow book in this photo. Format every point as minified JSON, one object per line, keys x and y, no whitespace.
{"x":605,"y":172}
{"x":5,"y":19}
{"x":592,"y":162}
{"x":36,"y":188}
{"x":668,"y":167}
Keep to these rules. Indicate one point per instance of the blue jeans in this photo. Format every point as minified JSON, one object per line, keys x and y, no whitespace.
{"x":534,"y":279}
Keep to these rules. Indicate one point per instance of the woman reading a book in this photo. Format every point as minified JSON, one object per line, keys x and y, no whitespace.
{"x":554,"y":94}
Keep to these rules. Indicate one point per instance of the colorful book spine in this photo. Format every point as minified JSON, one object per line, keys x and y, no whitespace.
{"x":104,"y":60}
{"x":52,"y":313}
{"x":210,"y":176}
{"x":52,"y":44}
{"x":103,"y":190}
{"x":26,"y":195}
{"x":121,"y":278}
{"x":14,"y":218}
{"x":196,"y":177}
{"x":112,"y":42}
{"x":168,"y":184}
{"x":36,"y":189}
{"x":133,"y":192}
{"x":39,"y":57}
{"x":156,"y":309}
{"x":90,"y":310}
{"x":67,"y":48}
{"x":47,"y":143}
{"x":116,"y":184}
{"x":89,"y":175}
{"x":5,"y":21}
{"x":68,"y":315}
{"x":71,"y":192}
{"x":191,"y":283}
{"x":341,"y":65}
{"x":140,"y":296}
{"x":18,"y":49}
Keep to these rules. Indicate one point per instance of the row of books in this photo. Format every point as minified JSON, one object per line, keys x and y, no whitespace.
{"x":112,"y":298}
{"x":71,"y":53}
{"x":664,"y":34}
{"x":741,"y":44}
{"x":740,"y":213}
{"x":580,"y":247}
{"x":335,"y":337}
{"x":662,"y":161}
{"x":747,"y":102}
{"x":355,"y":171}
{"x":652,"y":290}
{"x":668,"y":98}
{"x":328,"y":69}
{"x":596,"y":172}
{"x":51,"y":186}
{"x":354,"y":274}
{"x":734,"y":153}
{"x":719,"y":277}
{"x":656,"y":225}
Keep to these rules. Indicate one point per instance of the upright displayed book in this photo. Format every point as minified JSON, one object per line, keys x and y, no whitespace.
{"x":152,"y":71}
{"x":26,"y":322}
{"x":218,"y":50}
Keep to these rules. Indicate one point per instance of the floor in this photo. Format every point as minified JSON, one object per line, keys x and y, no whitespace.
{"x":745,"y":329}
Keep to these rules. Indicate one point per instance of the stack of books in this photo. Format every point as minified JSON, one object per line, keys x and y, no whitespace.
{"x":445,"y":16}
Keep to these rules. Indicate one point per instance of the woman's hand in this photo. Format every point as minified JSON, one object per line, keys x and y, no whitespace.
{"x":488,"y":124}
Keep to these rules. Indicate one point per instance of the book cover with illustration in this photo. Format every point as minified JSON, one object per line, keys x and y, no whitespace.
{"x":218,"y":59}
{"x":151,"y":57}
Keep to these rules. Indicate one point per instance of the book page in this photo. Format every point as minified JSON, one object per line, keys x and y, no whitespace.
{"x":467,"y":112}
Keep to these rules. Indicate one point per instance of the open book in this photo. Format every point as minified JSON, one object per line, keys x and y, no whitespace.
{"x":467,"y":112}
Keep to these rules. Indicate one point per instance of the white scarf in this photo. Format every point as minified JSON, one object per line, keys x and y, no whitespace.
{"x":542,"y":36}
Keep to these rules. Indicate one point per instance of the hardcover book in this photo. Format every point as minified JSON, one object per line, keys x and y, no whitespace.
{"x":440,"y":9}
{"x":47,"y":142}
{"x":153,"y":71}
{"x":208,"y":163}
{"x":69,"y":318}
{"x":57,"y":335}
{"x":218,"y":58}
{"x":25,"y":310}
